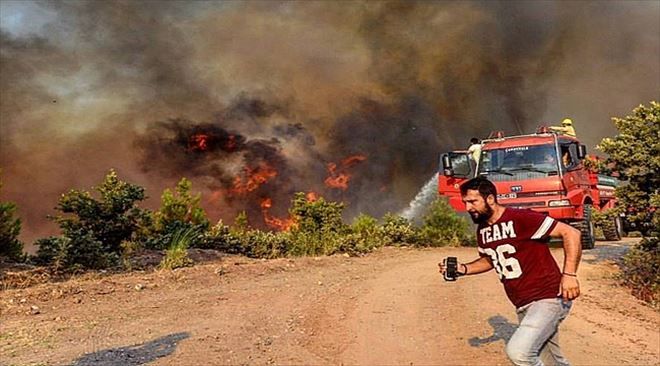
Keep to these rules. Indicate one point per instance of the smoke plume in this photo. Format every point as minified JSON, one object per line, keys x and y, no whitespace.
{"x":254,"y":101}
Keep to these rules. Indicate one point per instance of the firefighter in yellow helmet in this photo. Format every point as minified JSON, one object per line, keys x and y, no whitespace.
{"x":566,"y":128}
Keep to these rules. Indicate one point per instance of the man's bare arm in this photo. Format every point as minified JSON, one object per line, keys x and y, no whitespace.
{"x":481,"y":265}
{"x":570,"y":287}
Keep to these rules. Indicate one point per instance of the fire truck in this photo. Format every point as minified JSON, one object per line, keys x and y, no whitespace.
{"x":543,"y":172}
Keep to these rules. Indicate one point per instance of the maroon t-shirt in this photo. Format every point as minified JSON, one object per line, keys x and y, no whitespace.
{"x":517,"y":246}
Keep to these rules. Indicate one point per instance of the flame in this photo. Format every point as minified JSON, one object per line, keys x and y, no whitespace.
{"x":352,"y":160}
{"x":312,"y":196}
{"x":271,"y":221}
{"x":338,"y":177}
{"x":199,"y":142}
{"x":252,"y":178}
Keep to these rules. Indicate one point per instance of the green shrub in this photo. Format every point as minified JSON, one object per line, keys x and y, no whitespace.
{"x":442,"y":226}
{"x":396,"y":230}
{"x":641,"y":270}
{"x":241,"y":223}
{"x":176,"y":255}
{"x":10,"y":227}
{"x":179,"y":211}
{"x":161,"y":239}
{"x":129,"y":250}
{"x":110,"y":220}
{"x":306,"y":243}
{"x":180,"y":206}
{"x":318,"y":226}
{"x":93,"y":229}
{"x":80,"y":250}
{"x":265,"y":244}
{"x":365,"y":236}
{"x":223,"y":238}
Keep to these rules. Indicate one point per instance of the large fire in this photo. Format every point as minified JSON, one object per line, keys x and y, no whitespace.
{"x":338,"y":176}
{"x":247,"y":183}
{"x":252,"y":178}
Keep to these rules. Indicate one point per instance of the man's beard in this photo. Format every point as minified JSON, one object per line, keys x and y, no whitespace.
{"x":481,"y":217}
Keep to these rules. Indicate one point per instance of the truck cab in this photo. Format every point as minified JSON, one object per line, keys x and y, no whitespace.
{"x":543,"y":172}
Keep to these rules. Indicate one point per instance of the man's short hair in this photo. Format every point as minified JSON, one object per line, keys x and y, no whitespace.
{"x":481,"y":184}
{"x":474,"y":140}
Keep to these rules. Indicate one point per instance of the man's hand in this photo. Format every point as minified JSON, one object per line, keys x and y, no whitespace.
{"x":569,"y":288}
{"x":442,"y":268}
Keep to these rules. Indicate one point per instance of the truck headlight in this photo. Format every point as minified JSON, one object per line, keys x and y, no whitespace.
{"x":559,"y":203}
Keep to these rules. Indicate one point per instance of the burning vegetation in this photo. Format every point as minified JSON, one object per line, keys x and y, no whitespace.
{"x":254,"y":175}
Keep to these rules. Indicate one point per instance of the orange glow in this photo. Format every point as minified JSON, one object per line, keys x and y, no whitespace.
{"x":215,"y":196}
{"x":266,"y":203}
{"x":274,"y":222}
{"x":338,"y":177}
{"x":352,"y":160}
{"x":252,"y":178}
{"x":199,"y":142}
{"x":312,"y":196}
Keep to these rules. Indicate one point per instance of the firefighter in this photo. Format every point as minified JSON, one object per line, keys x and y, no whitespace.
{"x":475,"y":149}
{"x":566,"y":128}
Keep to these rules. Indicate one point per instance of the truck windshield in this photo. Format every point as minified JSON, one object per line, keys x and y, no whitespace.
{"x":520,"y":162}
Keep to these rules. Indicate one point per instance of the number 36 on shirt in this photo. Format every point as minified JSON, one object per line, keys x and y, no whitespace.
{"x":506,"y":267}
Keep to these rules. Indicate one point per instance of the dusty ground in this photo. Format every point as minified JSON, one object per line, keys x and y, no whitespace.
{"x":390,"y":307}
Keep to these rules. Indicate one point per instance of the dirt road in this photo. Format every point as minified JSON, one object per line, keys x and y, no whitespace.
{"x":390,"y":307}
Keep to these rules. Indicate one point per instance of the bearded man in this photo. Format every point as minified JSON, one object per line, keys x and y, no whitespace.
{"x":514,"y":243}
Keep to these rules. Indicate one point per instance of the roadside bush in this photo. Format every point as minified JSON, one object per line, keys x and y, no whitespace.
{"x":318,"y":226}
{"x":306,"y":243}
{"x":10,"y":227}
{"x":93,"y":229}
{"x":74,"y":252}
{"x":442,"y":226}
{"x":223,"y":238}
{"x":179,"y":211}
{"x":396,"y":230}
{"x":176,"y":255}
{"x":641,"y":270}
{"x":161,"y":239}
{"x":129,"y":249}
{"x":365,"y":236}
{"x":265,"y":244}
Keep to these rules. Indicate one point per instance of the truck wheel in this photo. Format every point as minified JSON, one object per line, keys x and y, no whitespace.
{"x":612,"y":229}
{"x":586,"y":227}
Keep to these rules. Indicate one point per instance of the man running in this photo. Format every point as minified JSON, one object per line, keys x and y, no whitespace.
{"x":514,"y":242}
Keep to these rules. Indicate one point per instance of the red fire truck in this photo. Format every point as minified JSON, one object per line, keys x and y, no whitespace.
{"x":544,"y":172}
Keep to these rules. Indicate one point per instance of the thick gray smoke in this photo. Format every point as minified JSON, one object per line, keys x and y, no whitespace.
{"x":221,"y":91}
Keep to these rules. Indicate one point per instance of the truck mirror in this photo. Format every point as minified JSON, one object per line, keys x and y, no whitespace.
{"x":582,"y":151}
{"x":447,"y":169}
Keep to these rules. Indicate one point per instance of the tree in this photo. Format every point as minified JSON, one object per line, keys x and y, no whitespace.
{"x":318,"y":226}
{"x":181,"y":206}
{"x":93,"y":229}
{"x":10,"y":227}
{"x":635,"y":154}
{"x":442,"y":226}
{"x":180,"y":211}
